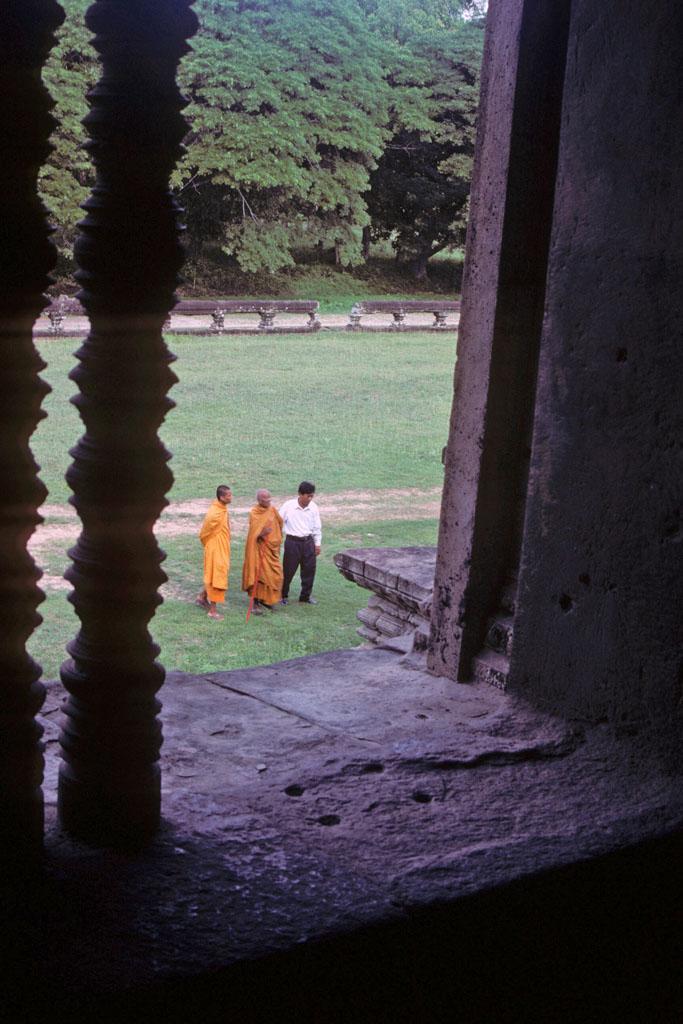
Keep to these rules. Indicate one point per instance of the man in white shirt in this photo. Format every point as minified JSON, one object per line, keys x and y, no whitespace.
{"x":301,"y":523}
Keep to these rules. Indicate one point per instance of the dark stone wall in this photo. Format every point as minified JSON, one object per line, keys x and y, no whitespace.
{"x":500,"y":325}
{"x":597,"y":630}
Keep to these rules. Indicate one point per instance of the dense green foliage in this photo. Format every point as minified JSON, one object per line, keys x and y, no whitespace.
{"x":67,"y":177}
{"x":312,"y":124}
{"x":288,"y":114}
{"x":420,"y":187}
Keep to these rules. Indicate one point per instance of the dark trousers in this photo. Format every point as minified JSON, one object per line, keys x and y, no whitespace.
{"x":299,"y":551}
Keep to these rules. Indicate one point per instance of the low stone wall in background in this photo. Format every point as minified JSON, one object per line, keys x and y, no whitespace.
{"x":402,"y":584}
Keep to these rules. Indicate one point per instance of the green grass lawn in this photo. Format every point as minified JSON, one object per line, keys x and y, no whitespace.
{"x":338,"y":292}
{"x":348,"y":411}
{"x":352,"y":412}
{"x":189,"y":640}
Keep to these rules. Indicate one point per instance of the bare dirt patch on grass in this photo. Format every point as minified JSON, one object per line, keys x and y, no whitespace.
{"x":184,"y":517}
{"x":48,"y":581}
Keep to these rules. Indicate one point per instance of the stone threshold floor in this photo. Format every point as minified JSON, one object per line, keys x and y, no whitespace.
{"x":312,"y":797}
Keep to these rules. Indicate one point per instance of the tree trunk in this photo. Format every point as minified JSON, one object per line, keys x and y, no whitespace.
{"x":366,"y":243}
{"x":419,"y":266}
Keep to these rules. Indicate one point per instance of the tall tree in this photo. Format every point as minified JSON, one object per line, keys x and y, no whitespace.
{"x":297,"y":108}
{"x":420,"y":188}
{"x":289,"y":114}
{"x":67,"y":177}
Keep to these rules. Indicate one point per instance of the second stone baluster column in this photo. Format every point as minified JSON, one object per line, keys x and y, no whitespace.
{"x":129,"y":256}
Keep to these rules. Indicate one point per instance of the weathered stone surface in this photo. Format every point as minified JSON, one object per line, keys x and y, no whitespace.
{"x":507,"y":600}
{"x":409,"y":570}
{"x":389,"y":625}
{"x":563,"y":466}
{"x":368,"y":616}
{"x":499,"y":335}
{"x":401,"y":580}
{"x":491,"y":667}
{"x":401,"y":643}
{"x":421,"y":636}
{"x":597,"y":629}
{"x":500,"y":633}
{"x":309,"y":797}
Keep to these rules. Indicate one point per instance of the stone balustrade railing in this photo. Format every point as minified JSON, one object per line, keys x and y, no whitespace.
{"x":213,"y":310}
{"x":400,"y":310}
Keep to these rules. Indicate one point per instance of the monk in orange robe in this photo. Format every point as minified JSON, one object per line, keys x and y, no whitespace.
{"x":262,"y":568}
{"x":215,"y":537}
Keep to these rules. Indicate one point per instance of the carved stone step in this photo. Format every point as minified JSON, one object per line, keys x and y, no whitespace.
{"x":492,"y":668}
{"x":368,"y":616}
{"x":385,"y":607}
{"x":507,"y":600}
{"x":381,"y":622}
{"x":499,"y":634}
{"x":390,"y":626}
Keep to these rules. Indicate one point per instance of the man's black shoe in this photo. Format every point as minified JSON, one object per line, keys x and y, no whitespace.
{"x":307,"y":600}
{"x":284,"y":600}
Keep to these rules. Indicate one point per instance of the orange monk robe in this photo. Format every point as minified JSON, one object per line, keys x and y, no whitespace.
{"x":269,"y":585}
{"x":215,"y":536}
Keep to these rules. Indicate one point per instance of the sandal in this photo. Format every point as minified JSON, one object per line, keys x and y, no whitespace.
{"x":214,"y":615}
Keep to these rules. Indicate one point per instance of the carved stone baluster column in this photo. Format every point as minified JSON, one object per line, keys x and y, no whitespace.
{"x":129,"y":257}
{"x":56,"y":318}
{"x":218,"y":321}
{"x":354,"y":319}
{"x":26,"y":257}
{"x":267,"y":319}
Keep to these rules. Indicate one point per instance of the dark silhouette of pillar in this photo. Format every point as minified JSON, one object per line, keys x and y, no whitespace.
{"x":26,"y":257}
{"x":487,"y":456}
{"x":563,"y":468}
{"x":129,"y":256}
{"x":598,"y":621}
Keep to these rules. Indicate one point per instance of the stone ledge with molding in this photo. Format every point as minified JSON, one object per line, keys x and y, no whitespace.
{"x":402,"y":583}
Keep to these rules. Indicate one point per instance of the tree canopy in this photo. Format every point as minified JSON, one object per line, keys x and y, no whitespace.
{"x":420,"y":187}
{"x":67,"y":177}
{"x":288,"y":115}
{"x":310,"y":122}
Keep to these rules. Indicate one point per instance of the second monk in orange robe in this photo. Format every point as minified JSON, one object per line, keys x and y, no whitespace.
{"x":262,"y":547}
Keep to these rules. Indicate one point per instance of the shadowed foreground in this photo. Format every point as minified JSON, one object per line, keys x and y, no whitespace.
{"x":341,"y":837}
